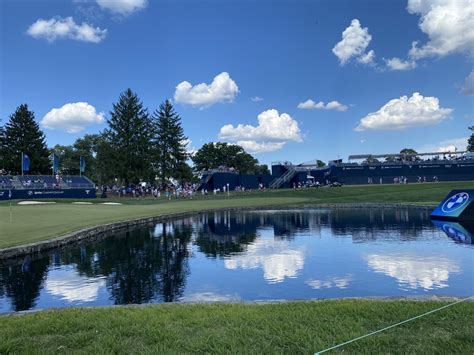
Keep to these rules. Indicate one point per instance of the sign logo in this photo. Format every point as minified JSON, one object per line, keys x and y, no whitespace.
{"x":455,"y":202}
{"x":87,"y":192}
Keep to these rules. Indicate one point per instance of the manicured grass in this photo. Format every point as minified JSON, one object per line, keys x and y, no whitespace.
{"x":36,"y":223}
{"x":292,"y":328}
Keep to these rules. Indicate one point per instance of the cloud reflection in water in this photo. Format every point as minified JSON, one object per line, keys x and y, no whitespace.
{"x":413,"y":271}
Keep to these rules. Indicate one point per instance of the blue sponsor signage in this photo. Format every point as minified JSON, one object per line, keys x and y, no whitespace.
{"x":457,"y":205}
{"x":458,"y":232}
{"x":47,"y":193}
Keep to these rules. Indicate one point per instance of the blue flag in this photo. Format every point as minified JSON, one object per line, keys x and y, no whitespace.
{"x":82,"y":164}
{"x":55,"y":163}
{"x":25,"y":164}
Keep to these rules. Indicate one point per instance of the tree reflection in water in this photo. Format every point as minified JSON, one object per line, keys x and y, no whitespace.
{"x":152,"y":264}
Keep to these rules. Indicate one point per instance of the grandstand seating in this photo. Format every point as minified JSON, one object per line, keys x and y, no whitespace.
{"x":43,"y":182}
{"x":6,"y":182}
{"x":77,"y":181}
{"x":37,"y":181}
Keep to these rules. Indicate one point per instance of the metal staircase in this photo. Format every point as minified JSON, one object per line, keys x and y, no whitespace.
{"x":206,"y":180}
{"x":286,"y":177}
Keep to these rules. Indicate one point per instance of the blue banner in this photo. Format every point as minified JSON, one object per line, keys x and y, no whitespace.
{"x":25,"y":164}
{"x":82,"y":164}
{"x":55,"y":163}
{"x":47,"y":193}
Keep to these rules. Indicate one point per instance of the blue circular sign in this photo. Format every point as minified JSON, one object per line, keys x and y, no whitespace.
{"x":455,"y":202}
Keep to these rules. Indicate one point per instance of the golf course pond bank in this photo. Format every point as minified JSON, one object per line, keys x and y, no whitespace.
{"x":247,"y":255}
{"x":105,"y":230}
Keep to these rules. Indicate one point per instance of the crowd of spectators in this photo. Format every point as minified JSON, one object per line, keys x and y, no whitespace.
{"x":142,"y":190}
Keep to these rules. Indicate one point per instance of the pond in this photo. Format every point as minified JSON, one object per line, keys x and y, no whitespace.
{"x":253,"y":255}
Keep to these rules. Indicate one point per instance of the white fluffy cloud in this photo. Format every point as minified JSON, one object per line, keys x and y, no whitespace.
{"x":448,"y":24}
{"x":256,"y":99}
{"x":332,"y":105}
{"x":272,"y":132}
{"x":254,"y":147}
{"x":355,"y":40}
{"x":468,"y":87}
{"x":271,"y":126}
{"x":398,"y":64}
{"x":66,"y":28}
{"x":222,"y":89}
{"x":72,"y":117}
{"x":448,"y":145}
{"x":122,"y":7}
{"x":405,"y":112}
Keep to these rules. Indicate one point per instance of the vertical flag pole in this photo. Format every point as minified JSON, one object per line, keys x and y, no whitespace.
{"x":11,"y":211}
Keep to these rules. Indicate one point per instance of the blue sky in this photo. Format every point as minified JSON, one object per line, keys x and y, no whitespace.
{"x":77,"y":56}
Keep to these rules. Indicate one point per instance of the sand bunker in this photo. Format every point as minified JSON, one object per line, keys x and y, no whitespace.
{"x":111,"y":203}
{"x":82,"y":203}
{"x":35,"y":203}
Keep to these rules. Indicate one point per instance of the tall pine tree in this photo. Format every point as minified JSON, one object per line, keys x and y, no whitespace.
{"x":129,"y":135}
{"x":2,"y":150}
{"x":23,"y":135}
{"x":169,"y":142}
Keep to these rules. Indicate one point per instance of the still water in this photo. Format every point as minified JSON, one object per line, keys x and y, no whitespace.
{"x":251,"y":255}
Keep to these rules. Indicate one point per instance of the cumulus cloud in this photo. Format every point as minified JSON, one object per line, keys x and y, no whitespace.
{"x":122,"y":7}
{"x":355,"y":41}
{"x":272,"y":132}
{"x":66,"y":28}
{"x":405,"y":112}
{"x":468,"y":87}
{"x":398,"y":64}
{"x":448,"y":24}
{"x":222,"y":89}
{"x":448,"y":145}
{"x":332,"y":105}
{"x":73,"y":117}
{"x":413,"y":271}
{"x":256,"y":99}
{"x":263,"y":147}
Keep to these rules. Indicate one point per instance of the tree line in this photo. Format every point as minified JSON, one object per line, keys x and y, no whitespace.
{"x":135,"y":146}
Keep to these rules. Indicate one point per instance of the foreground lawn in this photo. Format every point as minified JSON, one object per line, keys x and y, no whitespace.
{"x":297,"y":327}
{"x":35,"y":223}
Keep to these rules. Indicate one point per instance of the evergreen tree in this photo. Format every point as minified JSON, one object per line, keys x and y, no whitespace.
{"x":169,"y":142}
{"x":23,"y":135}
{"x":470,"y":140}
{"x":2,"y":149}
{"x":129,"y":136}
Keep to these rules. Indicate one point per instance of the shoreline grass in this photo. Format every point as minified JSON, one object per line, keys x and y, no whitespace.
{"x":293,"y":328}
{"x":29,"y":224}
